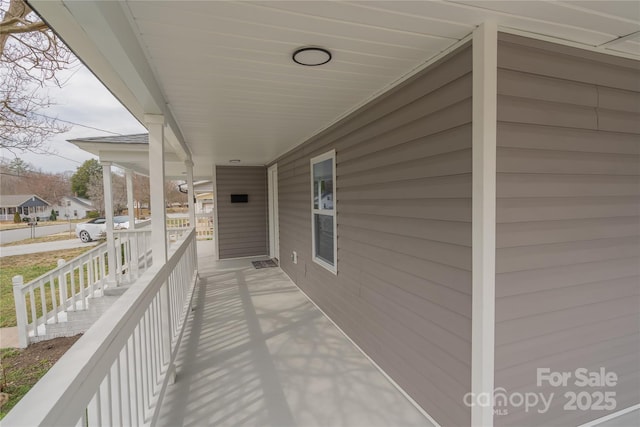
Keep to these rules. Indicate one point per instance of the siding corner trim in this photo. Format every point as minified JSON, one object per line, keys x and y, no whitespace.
{"x":484,"y":106}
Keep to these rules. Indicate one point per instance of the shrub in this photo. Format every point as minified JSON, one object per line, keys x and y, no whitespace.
{"x":93,"y":214}
{"x":53,"y":215}
{"x":16,"y":218}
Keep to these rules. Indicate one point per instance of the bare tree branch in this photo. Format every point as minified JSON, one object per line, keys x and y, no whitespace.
{"x":28,"y":28}
{"x":31,"y":55}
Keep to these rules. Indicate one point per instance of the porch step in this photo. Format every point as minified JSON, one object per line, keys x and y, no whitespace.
{"x":67,"y":329}
{"x":115,"y":291}
{"x":80,"y":321}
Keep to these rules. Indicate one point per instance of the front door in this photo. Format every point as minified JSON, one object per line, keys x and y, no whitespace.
{"x":274,"y":228}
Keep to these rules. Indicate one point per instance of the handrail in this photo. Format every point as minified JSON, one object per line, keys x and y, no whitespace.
{"x":115,"y":374}
{"x":143,"y":223}
{"x":68,"y":286}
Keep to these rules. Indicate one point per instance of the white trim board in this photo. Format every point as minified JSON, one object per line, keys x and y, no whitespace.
{"x":485,"y":77}
{"x":214,"y":184}
{"x":601,"y":420}
{"x":274,"y":217}
{"x":603,"y":49}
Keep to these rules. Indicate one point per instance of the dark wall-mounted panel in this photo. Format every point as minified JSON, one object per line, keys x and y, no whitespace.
{"x":239,"y":198}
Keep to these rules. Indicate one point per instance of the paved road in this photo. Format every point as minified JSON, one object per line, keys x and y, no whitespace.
{"x":44,"y":247}
{"x":8,"y":236}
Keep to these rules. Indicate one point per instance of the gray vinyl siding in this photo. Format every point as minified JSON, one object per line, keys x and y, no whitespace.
{"x":568,"y":222}
{"x":242,"y":227}
{"x":403,"y":204}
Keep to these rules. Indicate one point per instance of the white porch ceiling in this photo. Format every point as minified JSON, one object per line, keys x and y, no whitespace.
{"x":224,"y":71}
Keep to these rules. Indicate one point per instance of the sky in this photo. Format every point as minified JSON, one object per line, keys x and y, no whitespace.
{"x":83,"y":100}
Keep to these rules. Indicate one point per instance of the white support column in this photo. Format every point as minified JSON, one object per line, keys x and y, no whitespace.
{"x":133,"y":240}
{"x":190,"y":193}
{"x":214,"y":182}
{"x":131,"y":209}
{"x":155,"y":125}
{"x":108,"y":215}
{"x":485,"y":46}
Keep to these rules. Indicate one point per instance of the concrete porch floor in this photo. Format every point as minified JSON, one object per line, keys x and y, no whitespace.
{"x":256,"y":352}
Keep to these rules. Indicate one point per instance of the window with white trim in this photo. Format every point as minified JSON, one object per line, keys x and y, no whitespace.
{"x":323,"y":211}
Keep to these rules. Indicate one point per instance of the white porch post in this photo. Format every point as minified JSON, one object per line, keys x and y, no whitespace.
{"x":133,"y":239}
{"x":130,"y":202}
{"x":108,"y":215}
{"x":485,"y":47}
{"x":214,"y":182}
{"x":190,"y":193}
{"x":155,"y":125}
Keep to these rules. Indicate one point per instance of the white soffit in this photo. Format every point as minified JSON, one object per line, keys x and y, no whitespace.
{"x":225,"y":68}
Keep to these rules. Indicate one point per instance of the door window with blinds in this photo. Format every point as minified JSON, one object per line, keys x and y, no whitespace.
{"x":323,"y":210}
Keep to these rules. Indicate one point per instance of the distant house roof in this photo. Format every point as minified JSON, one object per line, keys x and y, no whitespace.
{"x":140,"y":138}
{"x":16,"y":200}
{"x":79,"y":200}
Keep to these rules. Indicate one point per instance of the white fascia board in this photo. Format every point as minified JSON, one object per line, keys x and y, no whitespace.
{"x":98,"y":147}
{"x":116,"y":156}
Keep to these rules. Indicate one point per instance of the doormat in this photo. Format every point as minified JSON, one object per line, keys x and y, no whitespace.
{"x":264,"y":264}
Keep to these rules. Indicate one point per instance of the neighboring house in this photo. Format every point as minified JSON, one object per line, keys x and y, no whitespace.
{"x":27,"y":205}
{"x":204,"y":195}
{"x":204,"y":203}
{"x":73,"y":207}
{"x":477,"y":171}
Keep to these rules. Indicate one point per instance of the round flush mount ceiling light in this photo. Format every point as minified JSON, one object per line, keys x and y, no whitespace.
{"x":234,"y":161}
{"x":311,"y":56}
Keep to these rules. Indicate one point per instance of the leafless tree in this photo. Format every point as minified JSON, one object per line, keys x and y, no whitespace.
{"x":31,"y":56}
{"x":172,"y":194}
{"x":19,"y":177}
{"x":95,"y":191}
{"x":141,"y":191}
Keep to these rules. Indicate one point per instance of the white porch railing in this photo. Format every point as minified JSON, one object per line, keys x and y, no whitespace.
{"x":175,"y":233}
{"x":204,"y":224}
{"x":133,"y":253}
{"x":117,"y":373}
{"x":47,"y":299}
{"x":66,"y":288}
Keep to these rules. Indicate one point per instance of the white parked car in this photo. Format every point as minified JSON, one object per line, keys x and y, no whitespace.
{"x":97,"y":227}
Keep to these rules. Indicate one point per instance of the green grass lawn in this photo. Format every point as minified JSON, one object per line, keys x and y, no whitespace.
{"x":30,"y":267}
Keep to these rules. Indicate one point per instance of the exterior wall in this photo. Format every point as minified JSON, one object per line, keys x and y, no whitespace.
{"x":403,"y":205}
{"x":80,"y":209}
{"x":568,"y":214}
{"x":242,"y":227}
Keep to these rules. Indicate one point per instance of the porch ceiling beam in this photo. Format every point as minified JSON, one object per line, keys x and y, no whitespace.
{"x":102,"y":36}
{"x":141,"y":157}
